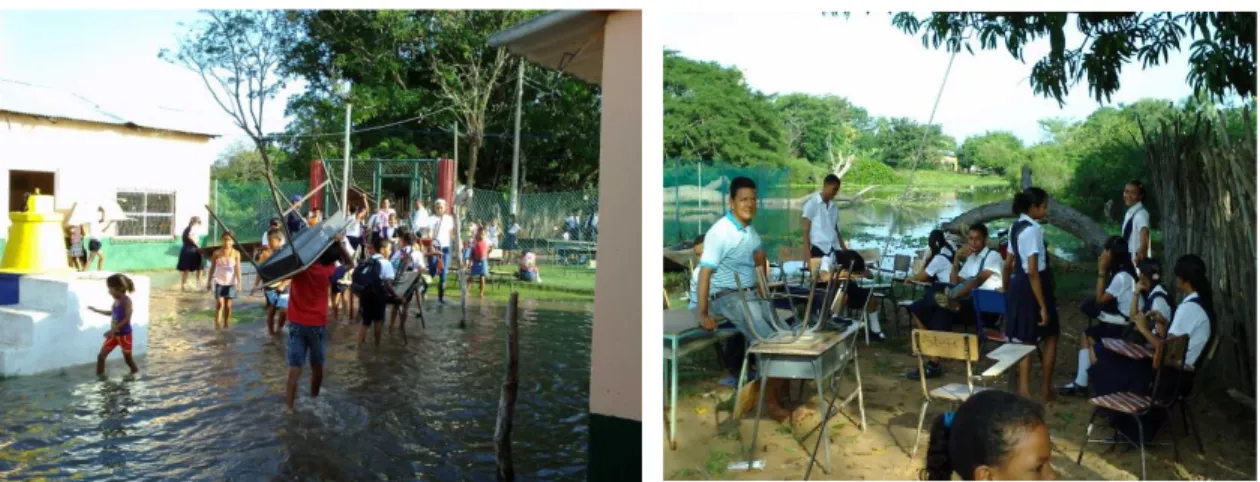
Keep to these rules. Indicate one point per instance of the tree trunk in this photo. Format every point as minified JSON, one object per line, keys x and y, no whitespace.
{"x":1064,"y":217}
{"x":1207,"y":196}
{"x":507,"y":399}
{"x":271,"y":182}
{"x":474,"y":146}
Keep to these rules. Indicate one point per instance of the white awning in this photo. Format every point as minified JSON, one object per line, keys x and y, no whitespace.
{"x":570,"y":41}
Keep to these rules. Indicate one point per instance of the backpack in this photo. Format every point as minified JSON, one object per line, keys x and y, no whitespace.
{"x":366,"y":279}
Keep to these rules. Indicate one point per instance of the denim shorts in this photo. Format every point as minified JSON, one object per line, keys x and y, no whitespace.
{"x":304,"y":340}
{"x":728,"y":306}
{"x":225,"y":291}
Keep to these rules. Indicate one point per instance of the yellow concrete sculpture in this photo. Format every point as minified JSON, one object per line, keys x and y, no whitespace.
{"x":36,"y":241}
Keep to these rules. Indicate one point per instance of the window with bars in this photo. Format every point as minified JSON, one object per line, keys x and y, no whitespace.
{"x":151,"y":213}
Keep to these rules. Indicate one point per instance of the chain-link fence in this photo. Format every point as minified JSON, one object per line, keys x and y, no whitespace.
{"x":399,"y":180}
{"x":247,"y":207}
{"x":696,"y":193}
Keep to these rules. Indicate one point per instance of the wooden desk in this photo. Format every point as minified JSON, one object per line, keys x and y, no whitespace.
{"x":817,"y":356}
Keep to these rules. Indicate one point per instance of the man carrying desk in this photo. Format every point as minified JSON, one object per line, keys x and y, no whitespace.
{"x":732,"y":247}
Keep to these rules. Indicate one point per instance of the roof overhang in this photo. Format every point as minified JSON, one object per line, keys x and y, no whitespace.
{"x":570,"y":41}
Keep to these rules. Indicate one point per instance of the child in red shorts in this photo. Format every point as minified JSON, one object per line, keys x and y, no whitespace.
{"x":119,"y":334}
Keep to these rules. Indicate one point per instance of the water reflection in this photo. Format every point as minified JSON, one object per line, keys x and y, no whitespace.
{"x":209,"y":406}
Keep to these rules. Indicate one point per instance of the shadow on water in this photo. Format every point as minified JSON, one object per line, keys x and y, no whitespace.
{"x":209,"y":406}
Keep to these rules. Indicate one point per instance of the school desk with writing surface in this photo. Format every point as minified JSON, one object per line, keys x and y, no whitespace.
{"x":684,"y":336}
{"x":815,"y":356}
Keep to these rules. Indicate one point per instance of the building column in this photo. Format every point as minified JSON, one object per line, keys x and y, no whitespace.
{"x":616,"y":339}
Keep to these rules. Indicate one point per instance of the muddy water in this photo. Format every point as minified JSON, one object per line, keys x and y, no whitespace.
{"x":209,"y":406}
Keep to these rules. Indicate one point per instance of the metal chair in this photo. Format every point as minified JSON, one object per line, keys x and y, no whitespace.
{"x":948,"y":345}
{"x":1170,"y":363}
{"x":1183,"y":401}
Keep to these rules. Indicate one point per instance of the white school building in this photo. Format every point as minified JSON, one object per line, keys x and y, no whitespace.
{"x":154,"y":162}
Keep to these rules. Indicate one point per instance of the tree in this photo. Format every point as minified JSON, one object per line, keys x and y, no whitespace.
{"x":1222,"y":60}
{"x":712,"y":114}
{"x":899,"y":141}
{"x":994,"y":151}
{"x":468,"y":70}
{"x":237,"y":54}
{"x":812,"y":122}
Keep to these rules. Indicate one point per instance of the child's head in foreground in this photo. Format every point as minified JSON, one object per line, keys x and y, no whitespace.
{"x":119,"y":285}
{"x":994,"y":435}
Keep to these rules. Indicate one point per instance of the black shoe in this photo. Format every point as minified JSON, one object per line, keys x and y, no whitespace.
{"x":1072,"y":389}
{"x":878,"y":336}
{"x":933,"y":371}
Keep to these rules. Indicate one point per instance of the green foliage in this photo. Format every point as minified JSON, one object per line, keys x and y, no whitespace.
{"x":718,"y":463}
{"x":899,"y":140}
{"x":712,"y":114}
{"x":817,"y":126}
{"x":994,"y":151}
{"x":242,"y":162}
{"x":802,"y":171}
{"x":1222,"y":60}
{"x":866,"y":172}
{"x":398,"y":63}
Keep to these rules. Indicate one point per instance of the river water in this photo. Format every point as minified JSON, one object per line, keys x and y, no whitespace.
{"x":874,"y":224}
{"x":209,"y":406}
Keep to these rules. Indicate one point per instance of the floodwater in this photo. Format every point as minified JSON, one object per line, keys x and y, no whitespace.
{"x":871,"y":224}
{"x":209,"y":406}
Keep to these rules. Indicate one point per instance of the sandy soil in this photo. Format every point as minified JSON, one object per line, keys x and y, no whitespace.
{"x":706,"y":447}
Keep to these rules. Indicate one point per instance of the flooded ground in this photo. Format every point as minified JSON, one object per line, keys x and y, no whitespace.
{"x":209,"y":406}
{"x":892,"y":406}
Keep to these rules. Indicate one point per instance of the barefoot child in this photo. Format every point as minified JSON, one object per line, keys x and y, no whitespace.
{"x":274,"y":292}
{"x":479,"y":253}
{"x":225,"y":279}
{"x":119,"y":333}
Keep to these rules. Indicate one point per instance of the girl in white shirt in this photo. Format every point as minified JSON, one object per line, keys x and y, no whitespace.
{"x":1032,"y":314}
{"x":936,"y":271}
{"x":1113,"y":296}
{"x":1194,"y":317}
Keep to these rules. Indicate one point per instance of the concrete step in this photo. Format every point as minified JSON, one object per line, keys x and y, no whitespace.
{"x":17,"y":326}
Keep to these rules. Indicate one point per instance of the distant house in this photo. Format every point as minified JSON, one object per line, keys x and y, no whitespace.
{"x":154,"y":162}
{"x":949,"y":161}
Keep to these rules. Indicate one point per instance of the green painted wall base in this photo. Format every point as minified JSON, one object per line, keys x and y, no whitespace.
{"x":126,"y":255}
{"x":616,"y":449}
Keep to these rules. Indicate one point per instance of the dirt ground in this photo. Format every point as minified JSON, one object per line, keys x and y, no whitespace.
{"x":892,"y":405}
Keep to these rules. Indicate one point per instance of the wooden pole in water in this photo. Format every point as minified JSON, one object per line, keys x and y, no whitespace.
{"x":507,"y":400}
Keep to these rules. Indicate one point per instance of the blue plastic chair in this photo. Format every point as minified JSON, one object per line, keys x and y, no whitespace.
{"x":988,"y":302}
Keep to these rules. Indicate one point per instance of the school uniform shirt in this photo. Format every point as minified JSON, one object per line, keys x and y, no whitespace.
{"x":354,"y":228}
{"x":419,"y":219}
{"x":1191,"y":319}
{"x":1141,"y":219}
{"x":938,"y":268}
{"x":94,"y":230}
{"x":442,"y":227}
{"x":692,"y":301}
{"x":986,"y":260}
{"x":492,"y":235}
{"x":380,"y":219}
{"x":1032,"y":241}
{"x":1160,"y":304}
{"x":387,"y":268}
{"x":308,"y":295}
{"x":822,"y":223}
{"x":1122,"y":288}
{"x":729,"y":247}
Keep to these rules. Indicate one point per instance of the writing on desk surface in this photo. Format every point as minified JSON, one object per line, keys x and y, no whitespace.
{"x":955,"y":345}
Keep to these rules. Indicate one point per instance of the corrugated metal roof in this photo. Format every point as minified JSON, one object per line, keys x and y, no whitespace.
{"x":23,"y":98}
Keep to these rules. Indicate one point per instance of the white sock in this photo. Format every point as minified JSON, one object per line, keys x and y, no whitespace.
{"x":1082,"y":367}
{"x":873,"y":319}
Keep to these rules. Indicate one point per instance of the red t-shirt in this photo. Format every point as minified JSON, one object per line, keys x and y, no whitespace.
{"x":481,"y":250}
{"x":308,"y":295}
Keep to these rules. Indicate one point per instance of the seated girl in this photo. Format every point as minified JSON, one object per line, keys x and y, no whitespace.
{"x":937,"y":272}
{"x":1149,"y":298}
{"x":528,"y":268}
{"x":854,"y":296}
{"x":1111,"y":372}
{"x":974,"y":267}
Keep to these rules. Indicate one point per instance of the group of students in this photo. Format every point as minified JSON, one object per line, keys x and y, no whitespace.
{"x":1128,"y":293}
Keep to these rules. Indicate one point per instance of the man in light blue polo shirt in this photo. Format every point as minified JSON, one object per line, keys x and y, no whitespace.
{"x":732,"y":247}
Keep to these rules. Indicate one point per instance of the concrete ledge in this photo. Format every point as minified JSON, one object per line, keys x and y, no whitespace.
{"x":62,"y":331}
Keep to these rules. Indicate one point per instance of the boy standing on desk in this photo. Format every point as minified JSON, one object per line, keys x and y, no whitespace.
{"x":732,"y":247}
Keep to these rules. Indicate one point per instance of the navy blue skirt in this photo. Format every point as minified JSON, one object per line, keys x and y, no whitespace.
{"x":1023,"y":314}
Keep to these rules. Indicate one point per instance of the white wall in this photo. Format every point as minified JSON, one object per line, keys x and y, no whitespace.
{"x":96,"y":161}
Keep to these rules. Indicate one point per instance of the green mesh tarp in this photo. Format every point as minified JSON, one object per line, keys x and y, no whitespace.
{"x":696,"y":194}
{"x":247,"y":206}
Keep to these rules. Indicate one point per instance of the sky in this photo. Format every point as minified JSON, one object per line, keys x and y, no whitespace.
{"x":111,"y":58}
{"x":890,"y":73}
